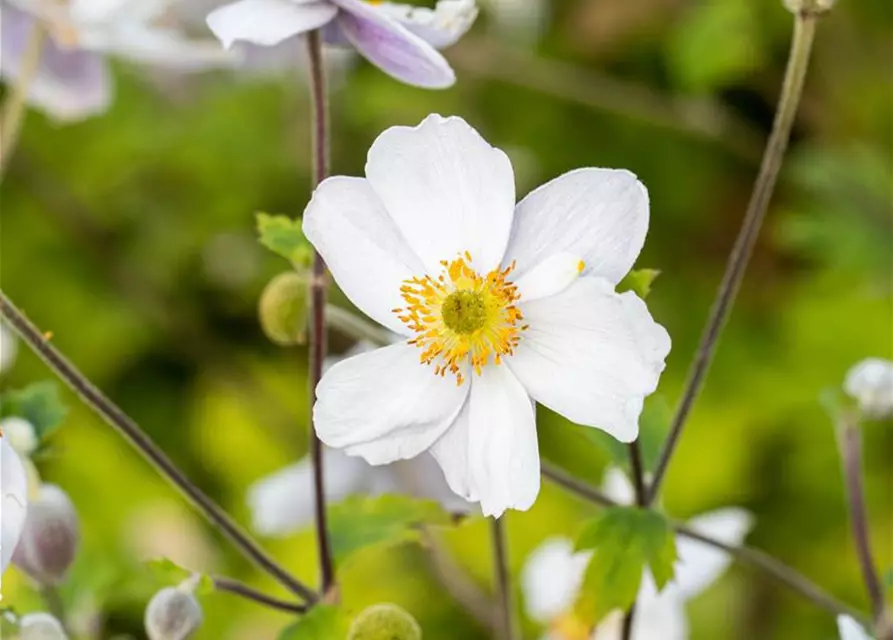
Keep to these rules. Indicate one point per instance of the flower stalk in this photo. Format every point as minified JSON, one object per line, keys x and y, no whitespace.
{"x":850,"y":439}
{"x":16,"y":105}
{"x":228,"y":585}
{"x":506,"y":625}
{"x":320,"y":137}
{"x":638,"y":472}
{"x":773,"y":156}
{"x":131,"y":431}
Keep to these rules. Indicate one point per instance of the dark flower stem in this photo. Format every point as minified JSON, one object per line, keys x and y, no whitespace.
{"x":778,"y":571}
{"x":792,"y":89}
{"x":503,"y":580}
{"x":228,"y":585}
{"x":638,"y":473}
{"x":320,"y":124}
{"x":131,"y":431}
{"x":851,"y":455}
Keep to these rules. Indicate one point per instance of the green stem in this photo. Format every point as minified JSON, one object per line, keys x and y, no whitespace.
{"x":773,"y":156}
{"x":15,"y":107}
{"x":503,"y":579}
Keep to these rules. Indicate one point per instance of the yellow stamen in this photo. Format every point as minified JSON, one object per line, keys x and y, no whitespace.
{"x":580,"y":266}
{"x":462,"y":316}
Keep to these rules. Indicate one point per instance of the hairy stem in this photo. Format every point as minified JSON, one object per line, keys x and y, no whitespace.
{"x":320,"y":124}
{"x":792,"y":89}
{"x":503,"y":581}
{"x":754,"y":558}
{"x":131,"y":431}
{"x":16,"y":105}
{"x":228,"y":585}
{"x":851,"y":455}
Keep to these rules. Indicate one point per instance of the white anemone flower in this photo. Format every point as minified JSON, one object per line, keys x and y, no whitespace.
{"x":73,"y":80}
{"x":553,"y":575}
{"x":870,"y":383}
{"x":401,"y":40}
{"x":283,"y":502}
{"x":8,"y":347}
{"x":498,"y":305}
{"x":13,"y":508}
{"x":850,"y":629}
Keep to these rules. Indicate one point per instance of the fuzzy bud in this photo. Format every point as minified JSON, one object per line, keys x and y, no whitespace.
{"x":21,"y":433}
{"x":51,"y":536}
{"x":870,"y":384}
{"x":173,"y":613}
{"x":384,"y":622}
{"x":41,"y":626}
{"x":284,"y":308}
{"x":814,"y":7}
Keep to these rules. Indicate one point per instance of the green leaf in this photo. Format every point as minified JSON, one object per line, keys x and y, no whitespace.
{"x":37,"y":403}
{"x":654,"y":424}
{"x":638,"y":281}
{"x":322,"y":622}
{"x":283,"y":235}
{"x":166,"y":573}
{"x":362,"y":521}
{"x":624,"y":541}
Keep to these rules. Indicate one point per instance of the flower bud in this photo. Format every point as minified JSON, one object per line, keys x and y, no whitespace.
{"x":809,"y":6}
{"x":41,"y":626}
{"x":50,"y":539}
{"x":13,"y":509}
{"x":173,"y":613}
{"x":284,"y":308}
{"x":870,"y":384}
{"x":8,"y":348}
{"x":384,"y":622}
{"x":21,"y":433}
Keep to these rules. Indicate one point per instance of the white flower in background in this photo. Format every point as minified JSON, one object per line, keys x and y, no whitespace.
{"x":8,"y":345}
{"x":850,"y":629}
{"x":13,"y":508}
{"x":870,"y":383}
{"x":399,"y":39}
{"x":499,"y":305}
{"x":283,"y":502}
{"x":20,"y":434}
{"x":73,"y":80}
{"x":521,"y":21}
{"x":553,"y":575}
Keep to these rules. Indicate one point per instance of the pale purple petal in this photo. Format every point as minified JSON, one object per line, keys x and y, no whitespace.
{"x":440,"y":27}
{"x":392,"y":48}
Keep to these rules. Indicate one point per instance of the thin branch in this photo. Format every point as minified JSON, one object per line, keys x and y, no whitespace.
{"x":502,"y":579}
{"x":851,"y":455}
{"x":638,"y":473}
{"x":320,"y":124}
{"x":780,"y":572}
{"x":16,"y":105}
{"x":131,"y":431}
{"x":795,"y":74}
{"x":235,"y":587}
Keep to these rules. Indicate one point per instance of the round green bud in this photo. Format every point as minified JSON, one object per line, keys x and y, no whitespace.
{"x":384,"y":622}
{"x":809,"y":6}
{"x":173,"y":614}
{"x":284,"y":308}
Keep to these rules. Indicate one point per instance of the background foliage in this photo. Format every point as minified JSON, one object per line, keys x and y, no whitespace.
{"x":132,"y":238}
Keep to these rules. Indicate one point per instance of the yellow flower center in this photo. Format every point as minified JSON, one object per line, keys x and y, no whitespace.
{"x":461,"y":315}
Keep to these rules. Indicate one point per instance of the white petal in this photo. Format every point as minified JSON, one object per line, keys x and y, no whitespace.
{"x":423,"y":478}
{"x":503,"y":453}
{"x":591,"y":355}
{"x":447,"y":189}
{"x":452,"y":454}
{"x":618,"y":487}
{"x":870,"y":382}
{"x":8,"y":348}
{"x":283,"y":502}
{"x":363,"y":249}
{"x":551,"y":579}
{"x":385,"y":405}
{"x":600,"y":215}
{"x":700,"y":565}
{"x":553,"y":275}
{"x":659,"y":616}
{"x":13,"y":508}
{"x":267,"y":22}
{"x":441,"y":27}
{"x":161,"y":46}
{"x":850,"y":629}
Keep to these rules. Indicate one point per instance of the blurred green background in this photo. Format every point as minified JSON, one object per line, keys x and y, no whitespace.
{"x":131,"y":237}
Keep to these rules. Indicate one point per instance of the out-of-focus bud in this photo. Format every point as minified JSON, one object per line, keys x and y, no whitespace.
{"x":41,"y":626}
{"x":8,"y":348}
{"x":173,"y":613}
{"x":14,"y":489}
{"x":870,"y":383}
{"x":384,"y":622}
{"x":284,"y":308}
{"x":50,"y":539}
{"x":809,"y":6}
{"x":21,"y":434}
